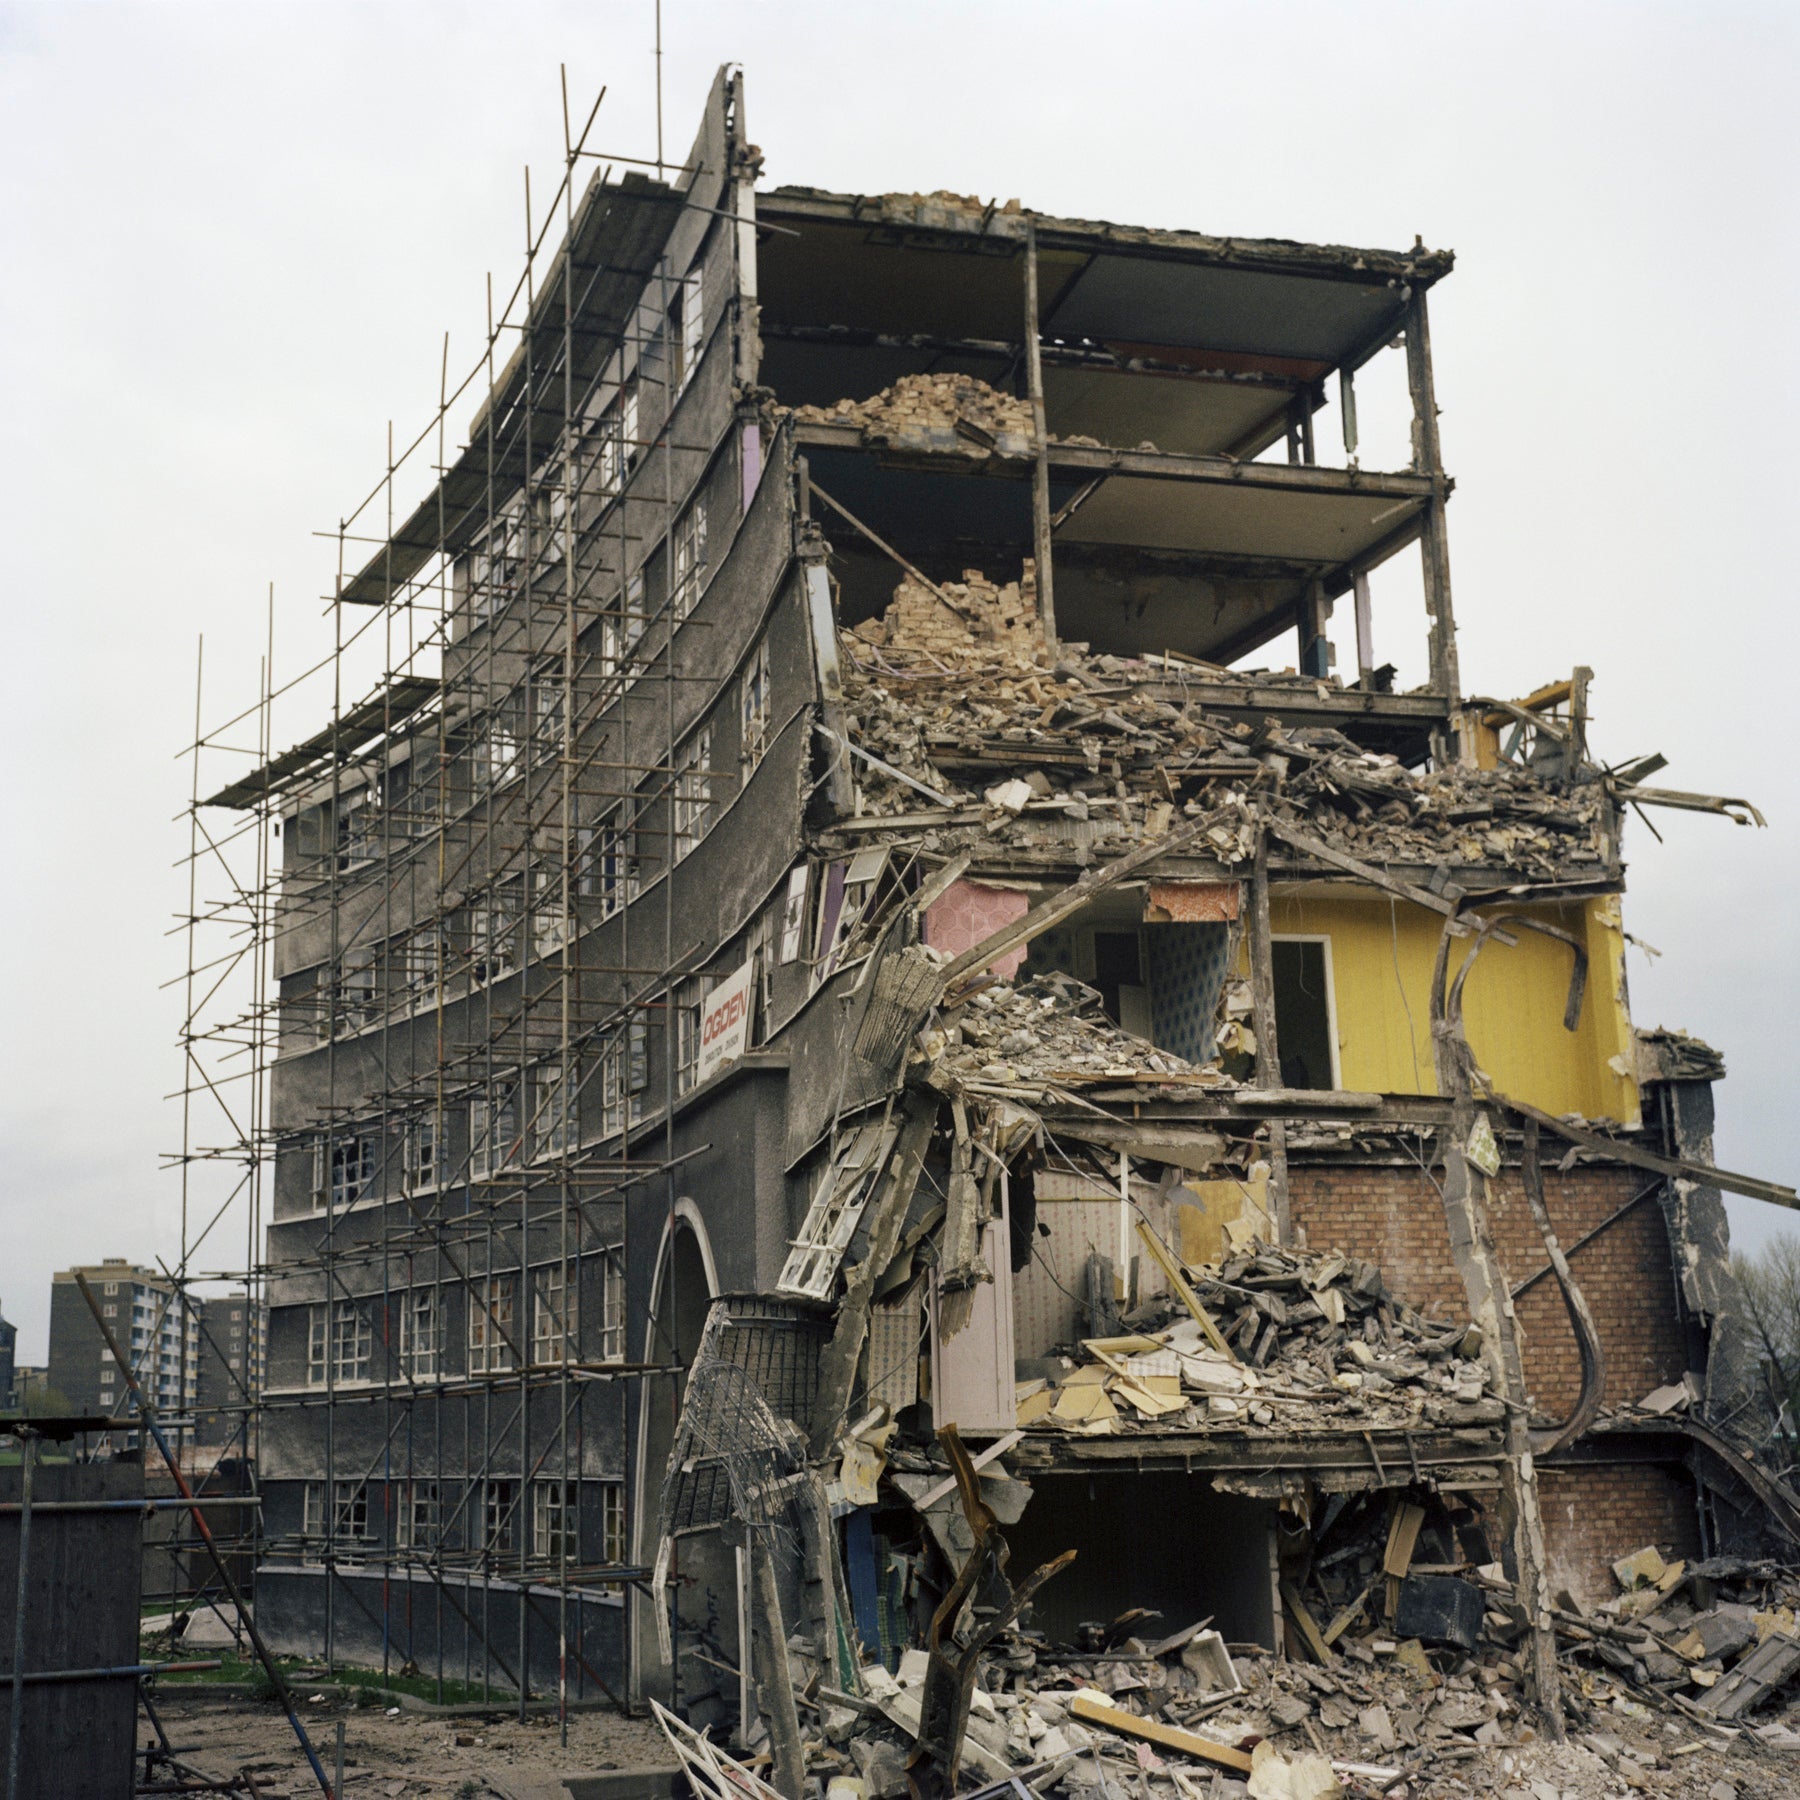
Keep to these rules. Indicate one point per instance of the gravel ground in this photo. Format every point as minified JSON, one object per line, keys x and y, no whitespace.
{"x":390,"y":1755}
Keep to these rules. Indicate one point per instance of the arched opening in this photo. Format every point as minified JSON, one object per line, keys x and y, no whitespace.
{"x":705,"y":1581}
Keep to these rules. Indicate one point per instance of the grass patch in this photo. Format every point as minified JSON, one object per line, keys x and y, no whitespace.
{"x":299,"y":1675}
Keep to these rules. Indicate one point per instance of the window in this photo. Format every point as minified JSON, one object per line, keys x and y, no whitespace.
{"x":312,"y":1518}
{"x":548,"y":510}
{"x":340,"y":1343}
{"x":356,"y":992}
{"x":612,"y":1305}
{"x":618,"y":441}
{"x":613,"y":1548}
{"x":111,"y":1287}
{"x":499,"y":1508}
{"x":493,"y":1130}
{"x":494,"y":568}
{"x":637,"y":1066}
{"x":687,"y":319}
{"x":491,"y":1309}
{"x":421,"y":1333}
{"x":688,"y":549}
{"x":494,"y":932}
{"x":753,"y":708}
{"x":420,"y":960}
{"x":350,"y":1511}
{"x":416,"y":1515}
{"x":607,"y":870}
{"x":549,"y":692}
{"x":548,"y":932}
{"x":554,"y":1519}
{"x":109,"y":1312}
{"x":496,"y":758}
{"x":355,"y":829}
{"x":693,"y":794}
{"x":424,"y":1155}
{"x":632,"y":620}
{"x":343,"y":1168}
{"x":690,"y":1002}
{"x":612,"y":1087}
{"x":554,"y":1338}
{"x":550,"y":1110}
{"x":624,"y":1076}
{"x":1305,"y":1013}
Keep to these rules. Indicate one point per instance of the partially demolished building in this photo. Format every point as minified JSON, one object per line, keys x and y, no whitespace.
{"x":822,"y":938}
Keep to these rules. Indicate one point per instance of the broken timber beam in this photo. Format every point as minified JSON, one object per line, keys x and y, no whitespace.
{"x":1165,"y":1737}
{"x":1676,"y":1168}
{"x":1071,"y":899}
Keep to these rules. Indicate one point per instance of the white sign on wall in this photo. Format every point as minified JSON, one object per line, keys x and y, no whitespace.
{"x":725,"y":1020}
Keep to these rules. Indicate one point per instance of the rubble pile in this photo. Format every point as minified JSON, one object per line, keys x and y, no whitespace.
{"x":944,"y":620}
{"x":1310,"y":1342}
{"x":1100,"y":750}
{"x":1720,"y":1635}
{"x":1049,"y":1028}
{"x":952,"y":412}
{"x":1185,"y":1715}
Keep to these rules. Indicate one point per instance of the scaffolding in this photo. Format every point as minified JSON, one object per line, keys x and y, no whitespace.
{"x":395,"y":1017}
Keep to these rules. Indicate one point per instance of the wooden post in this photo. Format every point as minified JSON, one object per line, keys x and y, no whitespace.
{"x":1434,"y":545}
{"x":774,"y":1678}
{"x":1262,"y":1020}
{"x":1040,"y":474}
{"x":1489,"y":1294}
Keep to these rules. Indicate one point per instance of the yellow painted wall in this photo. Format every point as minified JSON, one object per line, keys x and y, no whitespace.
{"x":1382,"y":954}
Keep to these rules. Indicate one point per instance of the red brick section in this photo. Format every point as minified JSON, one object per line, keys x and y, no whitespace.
{"x":1595,"y":1515}
{"x":1393,"y":1217}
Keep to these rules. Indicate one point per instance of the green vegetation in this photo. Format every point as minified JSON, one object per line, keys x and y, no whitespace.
{"x":299,"y":1674}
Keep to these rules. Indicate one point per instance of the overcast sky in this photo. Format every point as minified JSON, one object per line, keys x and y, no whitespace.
{"x":234,"y":235}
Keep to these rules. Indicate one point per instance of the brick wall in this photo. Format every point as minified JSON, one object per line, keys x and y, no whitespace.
{"x":1393,"y":1217}
{"x":1595,"y":1515}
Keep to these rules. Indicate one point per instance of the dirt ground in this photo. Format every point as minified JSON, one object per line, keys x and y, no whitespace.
{"x":388,"y":1755}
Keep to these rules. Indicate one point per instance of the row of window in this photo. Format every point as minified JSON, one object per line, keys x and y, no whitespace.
{"x":420,"y":1519}
{"x":484,"y":940}
{"x":532,"y":534}
{"x":340,"y":1337}
{"x":536,"y":1116}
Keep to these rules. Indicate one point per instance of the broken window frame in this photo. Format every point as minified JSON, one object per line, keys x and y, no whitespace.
{"x":555,"y":1518}
{"x":493,"y":1130}
{"x":499,"y":1516}
{"x":416,"y":1515}
{"x":555,"y":1314}
{"x":421,"y":1334}
{"x":687,"y":559}
{"x":691,"y":798}
{"x":753,"y":708}
{"x":493,"y":1314}
{"x":841,"y":1190}
{"x":840,"y":914}
{"x":423,"y":1162}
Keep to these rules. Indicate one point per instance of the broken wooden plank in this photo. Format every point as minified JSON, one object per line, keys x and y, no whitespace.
{"x":1303,"y":1622}
{"x":1403,"y":1538}
{"x":1165,"y":1260}
{"x":998,"y":1447}
{"x":1165,"y":1737}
